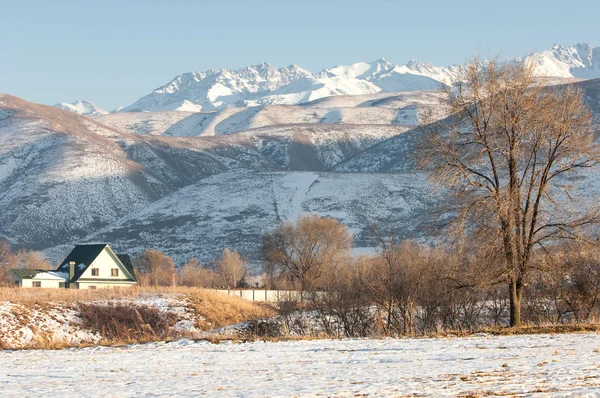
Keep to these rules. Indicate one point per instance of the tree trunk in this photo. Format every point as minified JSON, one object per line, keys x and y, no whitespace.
{"x":515,"y":294}
{"x":389,"y":317}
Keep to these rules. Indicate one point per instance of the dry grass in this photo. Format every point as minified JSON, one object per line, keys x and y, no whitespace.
{"x":119,"y":323}
{"x":72,"y":296}
{"x":545,"y":329}
{"x":219,"y":310}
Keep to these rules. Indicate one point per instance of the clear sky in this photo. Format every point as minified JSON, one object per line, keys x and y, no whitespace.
{"x":113,"y":52}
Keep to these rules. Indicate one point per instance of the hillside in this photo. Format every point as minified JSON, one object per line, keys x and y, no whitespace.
{"x":233,"y":209}
{"x":402,"y":108}
{"x":65,"y":176}
{"x":192,"y":187}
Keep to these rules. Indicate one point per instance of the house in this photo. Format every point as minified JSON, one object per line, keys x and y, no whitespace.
{"x":86,"y":267}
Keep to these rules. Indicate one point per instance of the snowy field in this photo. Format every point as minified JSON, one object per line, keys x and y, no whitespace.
{"x":544,"y":365}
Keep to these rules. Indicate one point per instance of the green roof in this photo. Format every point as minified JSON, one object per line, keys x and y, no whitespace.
{"x":31,"y":273}
{"x":26,"y":273}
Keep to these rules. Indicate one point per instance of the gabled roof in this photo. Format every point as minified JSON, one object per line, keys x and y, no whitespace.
{"x":126,"y":261}
{"x":81,"y":254}
{"x":33,"y":273}
{"x":26,"y":273}
{"x":84,"y":256}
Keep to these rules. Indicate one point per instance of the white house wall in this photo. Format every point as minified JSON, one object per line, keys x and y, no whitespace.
{"x":104,"y":262}
{"x":46,"y":283}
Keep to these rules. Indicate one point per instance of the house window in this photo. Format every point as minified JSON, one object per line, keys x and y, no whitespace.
{"x":92,"y":287}
{"x":114,"y":272}
{"x":62,"y":284}
{"x":17,"y":283}
{"x":95,"y":271}
{"x":36,"y":284}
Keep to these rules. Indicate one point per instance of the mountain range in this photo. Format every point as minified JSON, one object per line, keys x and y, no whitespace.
{"x":265,"y":84}
{"x":267,"y":145}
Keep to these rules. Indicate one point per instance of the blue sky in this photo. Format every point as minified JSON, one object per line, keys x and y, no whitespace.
{"x":113,"y":52}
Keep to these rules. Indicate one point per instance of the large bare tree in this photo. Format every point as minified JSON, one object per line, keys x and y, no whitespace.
{"x":508,"y":157}
{"x":231,"y":268}
{"x":305,"y":250}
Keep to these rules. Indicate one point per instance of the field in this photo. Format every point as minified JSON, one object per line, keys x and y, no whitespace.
{"x":563,"y":364}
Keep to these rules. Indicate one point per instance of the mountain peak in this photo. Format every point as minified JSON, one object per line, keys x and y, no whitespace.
{"x":82,"y":107}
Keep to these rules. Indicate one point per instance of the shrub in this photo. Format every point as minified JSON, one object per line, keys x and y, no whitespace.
{"x":124,"y":323}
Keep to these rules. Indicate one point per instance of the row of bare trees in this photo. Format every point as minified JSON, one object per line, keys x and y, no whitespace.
{"x":406,"y":288}
{"x":154,"y":268}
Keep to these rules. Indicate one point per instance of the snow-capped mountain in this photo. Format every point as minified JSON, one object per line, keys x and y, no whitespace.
{"x":579,"y":61}
{"x":192,"y":184}
{"x":82,"y":107}
{"x":216,"y":89}
{"x":265,"y":84}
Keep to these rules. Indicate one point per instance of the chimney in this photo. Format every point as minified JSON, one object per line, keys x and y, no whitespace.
{"x":71,"y":270}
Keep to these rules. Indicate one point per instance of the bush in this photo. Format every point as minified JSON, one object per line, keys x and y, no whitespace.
{"x":263,"y":328}
{"x":125,"y":323}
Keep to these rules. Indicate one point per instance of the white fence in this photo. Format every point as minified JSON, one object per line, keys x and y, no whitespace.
{"x":270,"y":296}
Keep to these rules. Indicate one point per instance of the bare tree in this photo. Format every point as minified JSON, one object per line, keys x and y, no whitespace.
{"x":23,"y":259}
{"x":506,"y":156}
{"x":231,"y":268}
{"x":155,"y":268}
{"x":304,"y":251}
{"x":7,"y":261}
{"x":31,"y":259}
{"x":195,"y":274}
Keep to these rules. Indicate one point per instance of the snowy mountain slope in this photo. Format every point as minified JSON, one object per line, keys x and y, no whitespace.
{"x":591,"y":92}
{"x":233,"y":120}
{"x":384,"y":109}
{"x":151,"y":123}
{"x":233,"y":210}
{"x":395,"y":154}
{"x":59,"y":177}
{"x":414,"y":76}
{"x":64,"y":176}
{"x":82,"y":107}
{"x":265,"y":84}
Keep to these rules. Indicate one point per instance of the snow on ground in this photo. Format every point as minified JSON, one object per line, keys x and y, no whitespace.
{"x":290,"y":208}
{"x":557,"y":365}
{"x":25,"y":325}
{"x":150,"y":123}
{"x":21,"y":326}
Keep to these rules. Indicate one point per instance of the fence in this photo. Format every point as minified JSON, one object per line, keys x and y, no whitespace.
{"x":270,"y":296}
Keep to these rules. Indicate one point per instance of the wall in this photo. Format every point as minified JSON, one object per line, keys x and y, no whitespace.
{"x":46,"y":283}
{"x":105,"y":262}
{"x":270,"y":296}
